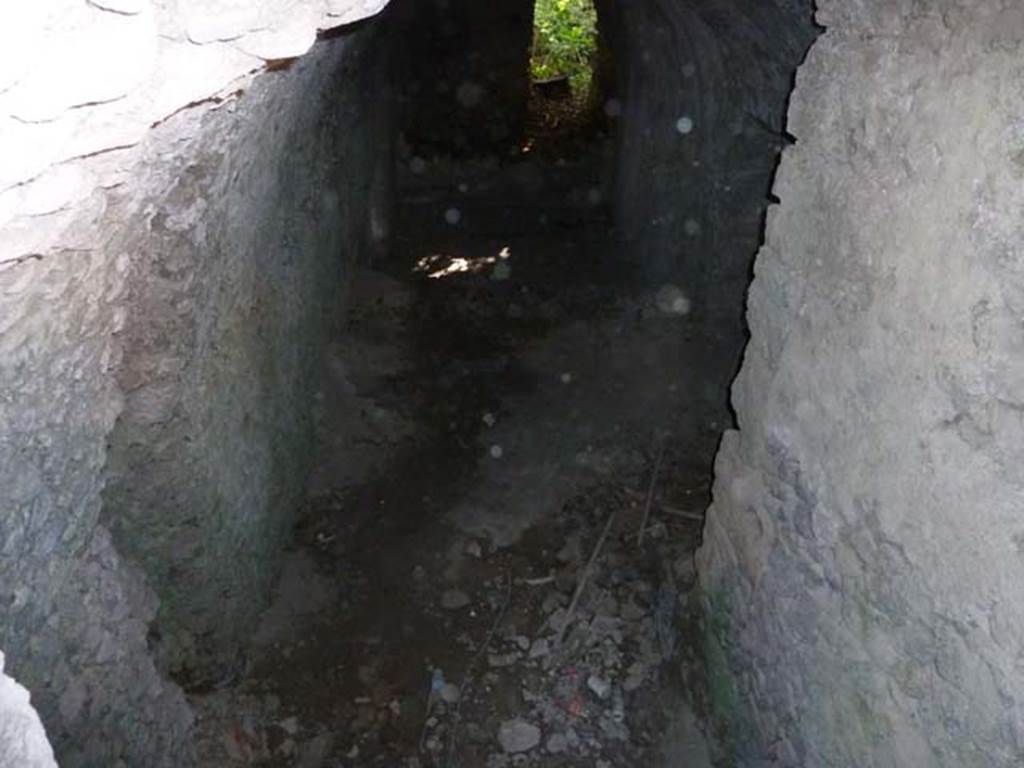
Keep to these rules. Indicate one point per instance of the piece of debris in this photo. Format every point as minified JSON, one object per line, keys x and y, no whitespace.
{"x":539,"y":648}
{"x":454,"y":599}
{"x":557,"y":743}
{"x":601,"y":687}
{"x":450,"y":693}
{"x":518,"y":736}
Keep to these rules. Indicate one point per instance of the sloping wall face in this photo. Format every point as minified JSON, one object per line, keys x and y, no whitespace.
{"x":703,"y":88}
{"x":863,"y":556}
{"x":167,"y":247}
{"x":239,"y":242}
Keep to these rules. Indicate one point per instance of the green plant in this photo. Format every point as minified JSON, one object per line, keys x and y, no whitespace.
{"x":564,"y":41}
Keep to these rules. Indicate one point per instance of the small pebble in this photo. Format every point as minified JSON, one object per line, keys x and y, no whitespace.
{"x":557,"y":743}
{"x":450,"y":693}
{"x":502,"y":659}
{"x":453,"y":599}
{"x":601,"y":687}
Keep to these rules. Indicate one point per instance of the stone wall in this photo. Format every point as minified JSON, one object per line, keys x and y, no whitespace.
{"x":702,"y":95}
{"x":128,"y":211}
{"x":240,"y":244}
{"x":863,"y":555}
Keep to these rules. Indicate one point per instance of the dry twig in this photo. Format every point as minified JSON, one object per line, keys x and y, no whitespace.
{"x":650,"y":495}
{"x":682,"y":513}
{"x":583,"y":580}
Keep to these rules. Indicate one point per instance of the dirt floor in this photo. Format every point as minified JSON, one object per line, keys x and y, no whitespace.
{"x":493,"y":564}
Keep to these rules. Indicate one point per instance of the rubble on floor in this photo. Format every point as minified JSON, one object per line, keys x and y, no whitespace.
{"x":532,"y":679}
{"x":496,"y":559}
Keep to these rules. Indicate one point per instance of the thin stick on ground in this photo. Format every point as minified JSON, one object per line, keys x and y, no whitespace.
{"x":467,"y":677}
{"x":650,"y":495}
{"x":695,"y":516}
{"x":584,"y":577}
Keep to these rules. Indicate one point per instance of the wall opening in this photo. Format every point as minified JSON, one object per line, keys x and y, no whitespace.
{"x":569,"y":68}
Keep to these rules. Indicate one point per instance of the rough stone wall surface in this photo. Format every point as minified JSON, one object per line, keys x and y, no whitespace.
{"x":464,"y":71}
{"x":702,"y":95}
{"x":239,"y":243}
{"x":84,"y":78}
{"x":81,"y":87}
{"x":863,"y":555}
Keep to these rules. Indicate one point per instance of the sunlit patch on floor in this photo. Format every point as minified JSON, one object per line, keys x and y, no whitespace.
{"x":441,"y":265}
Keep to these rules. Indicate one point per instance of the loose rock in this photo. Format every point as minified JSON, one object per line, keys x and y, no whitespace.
{"x":601,"y":687}
{"x":539,"y":648}
{"x":453,"y":599}
{"x":518,"y":736}
{"x":557,"y":743}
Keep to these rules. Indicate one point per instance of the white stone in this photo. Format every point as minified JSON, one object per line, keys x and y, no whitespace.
{"x":600,"y":686}
{"x":518,"y":736}
{"x":23,"y":741}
